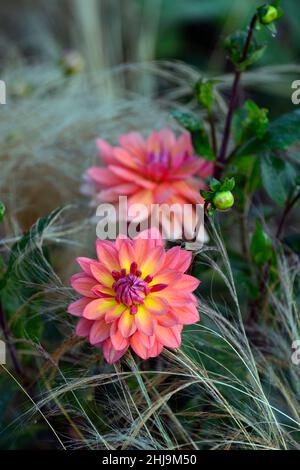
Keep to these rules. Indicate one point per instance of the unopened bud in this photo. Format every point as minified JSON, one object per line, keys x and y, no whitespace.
{"x":267,"y":14}
{"x":223,"y":200}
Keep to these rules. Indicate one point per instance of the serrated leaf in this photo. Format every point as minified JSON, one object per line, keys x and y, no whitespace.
{"x":214,"y":184}
{"x":253,"y":57}
{"x":201,"y":145}
{"x":198,"y":133}
{"x":281,"y":133}
{"x":228,"y":184}
{"x":249,"y":121}
{"x":187,"y":120}
{"x":235,"y":43}
{"x":261,"y":246}
{"x":204,"y":92}
{"x":278,"y":177}
{"x":207,"y":195}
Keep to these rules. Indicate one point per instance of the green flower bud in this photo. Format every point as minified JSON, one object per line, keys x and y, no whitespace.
{"x":223,"y":200}
{"x":267,"y":14}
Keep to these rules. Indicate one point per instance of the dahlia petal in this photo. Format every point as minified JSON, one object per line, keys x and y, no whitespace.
{"x":147,"y":341}
{"x":189,"y":283}
{"x":145,"y":321}
{"x":85,"y":263}
{"x":83,"y":327}
{"x":174,"y":297}
{"x":164,"y":192}
{"x":189,"y":193}
{"x":98,"y":308}
{"x":186,"y":169}
{"x":118,"y":341}
{"x":99,"y":331}
{"x":105,"y":151}
{"x":125,"y":158}
{"x":132,"y":176}
{"x":103,"y":176}
{"x":110,"y":353}
{"x":107,"y":255}
{"x":168,"y":277}
{"x":156,"y":349}
{"x":177,"y":259}
{"x":102,"y":291}
{"x":83,"y":284}
{"x":187,"y":315}
{"x":169,"y":337}
{"x":115,"y":313}
{"x":206,"y":169}
{"x":138,"y":346}
{"x":126,"y":254}
{"x":135,"y":144}
{"x":127,"y":325}
{"x":168,"y":319}
{"x":112,"y":194}
{"x":153,"y":236}
{"x":168,"y":137}
{"x":102,"y":274}
{"x":152,"y":262}
{"x":156,"y":305}
{"x":143,"y":196}
{"x":76,"y":308}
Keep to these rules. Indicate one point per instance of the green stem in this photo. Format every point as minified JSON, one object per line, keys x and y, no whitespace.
{"x":233,"y":99}
{"x":285,"y":213}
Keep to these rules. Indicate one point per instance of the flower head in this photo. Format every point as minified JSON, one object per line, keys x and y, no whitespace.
{"x":158,"y":170}
{"x":136,"y":295}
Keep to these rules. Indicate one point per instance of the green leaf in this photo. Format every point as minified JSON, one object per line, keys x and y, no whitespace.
{"x":2,"y":211}
{"x":188,"y":121}
{"x":281,"y":133}
{"x":278,"y":177}
{"x":249,"y":121}
{"x":204,"y":92}
{"x":198,"y":133}
{"x":207,"y":195}
{"x":260,"y":246}
{"x":214,"y":184}
{"x":228,"y":184}
{"x":235,"y":43}
{"x":201,"y":145}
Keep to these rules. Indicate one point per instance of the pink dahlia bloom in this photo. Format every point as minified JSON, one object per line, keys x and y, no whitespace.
{"x":161,"y":169}
{"x":136,"y":295}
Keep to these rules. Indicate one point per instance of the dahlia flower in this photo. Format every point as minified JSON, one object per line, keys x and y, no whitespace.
{"x":136,"y":295}
{"x":158,"y":170}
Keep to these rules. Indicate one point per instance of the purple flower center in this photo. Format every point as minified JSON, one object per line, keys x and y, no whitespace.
{"x":131,"y":289}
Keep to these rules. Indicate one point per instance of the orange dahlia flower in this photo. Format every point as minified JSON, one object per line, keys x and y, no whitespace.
{"x":136,"y":295}
{"x":161,"y":169}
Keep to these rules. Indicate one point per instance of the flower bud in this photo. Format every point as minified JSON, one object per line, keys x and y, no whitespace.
{"x":268,"y":14}
{"x":223,"y":200}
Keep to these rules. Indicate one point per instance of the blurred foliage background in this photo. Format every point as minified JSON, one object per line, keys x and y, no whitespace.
{"x":108,"y":33}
